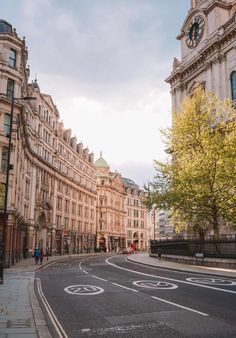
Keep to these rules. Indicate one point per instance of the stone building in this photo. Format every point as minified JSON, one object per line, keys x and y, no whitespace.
{"x":136,"y":220}
{"x":164,"y":227}
{"x":111,"y":213}
{"x":51,"y":198}
{"x":208,"y":54}
{"x":208,"y":51}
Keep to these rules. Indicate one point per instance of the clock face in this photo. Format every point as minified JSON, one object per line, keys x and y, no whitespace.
{"x":195,"y":31}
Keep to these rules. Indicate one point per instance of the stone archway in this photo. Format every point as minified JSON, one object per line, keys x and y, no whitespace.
{"x":42,"y":220}
{"x":102,"y":244}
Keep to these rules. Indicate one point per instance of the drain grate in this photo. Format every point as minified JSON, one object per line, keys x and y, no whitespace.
{"x":19,"y":323}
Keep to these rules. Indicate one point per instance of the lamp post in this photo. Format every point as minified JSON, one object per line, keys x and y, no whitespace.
{"x":9,"y":167}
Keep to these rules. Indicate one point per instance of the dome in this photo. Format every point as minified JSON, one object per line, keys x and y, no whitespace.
{"x":101,"y":163}
{"x":5,"y":27}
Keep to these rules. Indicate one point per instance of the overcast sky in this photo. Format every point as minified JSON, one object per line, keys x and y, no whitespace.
{"x":104,"y":63}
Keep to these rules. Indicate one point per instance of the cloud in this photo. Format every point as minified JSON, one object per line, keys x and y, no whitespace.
{"x":104,"y":64}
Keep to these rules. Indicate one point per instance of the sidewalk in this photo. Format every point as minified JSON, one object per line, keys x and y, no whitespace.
{"x":144,"y":258}
{"x":20,"y":313}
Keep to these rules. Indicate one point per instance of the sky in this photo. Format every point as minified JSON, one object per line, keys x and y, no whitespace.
{"x":104,"y":62}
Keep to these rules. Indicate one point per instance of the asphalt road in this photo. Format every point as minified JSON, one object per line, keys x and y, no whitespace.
{"x":108,"y":296}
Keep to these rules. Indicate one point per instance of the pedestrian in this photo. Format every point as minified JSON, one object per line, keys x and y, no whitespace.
{"x":132,"y":247}
{"x":25,"y":252}
{"x":47,"y":252}
{"x":41,"y":256}
{"x":36,"y":254}
{"x":159,"y":253}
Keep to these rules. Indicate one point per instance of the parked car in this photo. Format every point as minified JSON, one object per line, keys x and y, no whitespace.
{"x":127,"y":251}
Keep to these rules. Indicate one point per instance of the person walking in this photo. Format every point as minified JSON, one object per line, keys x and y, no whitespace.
{"x":159,"y":252}
{"x":47,"y":252}
{"x":36,"y":254}
{"x":41,"y":256}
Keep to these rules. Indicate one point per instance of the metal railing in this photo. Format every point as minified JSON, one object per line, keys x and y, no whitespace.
{"x":221,"y":248}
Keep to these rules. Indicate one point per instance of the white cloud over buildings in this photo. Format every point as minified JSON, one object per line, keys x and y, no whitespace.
{"x":104,"y":63}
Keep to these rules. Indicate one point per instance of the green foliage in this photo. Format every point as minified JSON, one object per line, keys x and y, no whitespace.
{"x":198,"y":182}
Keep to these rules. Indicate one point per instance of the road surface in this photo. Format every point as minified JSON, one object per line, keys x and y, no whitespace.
{"x":108,"y":296}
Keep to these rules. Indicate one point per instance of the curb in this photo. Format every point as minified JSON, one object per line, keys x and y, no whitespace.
{"x":182,"y":270}
{"x":40,"y":323}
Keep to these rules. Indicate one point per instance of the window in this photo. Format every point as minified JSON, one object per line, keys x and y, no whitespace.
{"x":67,"y":204}
{"x":7,"y":121}
{"x":12,"y":58}
{"x":66,"y":220}
{"x":73,"y":207}
{"x":233,"y":85}
{"x":2,"y":195}
{"x":4,"y":159}
{"x":10,"y":88}
{"x":27,"y":186}
{"x":58,"y":221}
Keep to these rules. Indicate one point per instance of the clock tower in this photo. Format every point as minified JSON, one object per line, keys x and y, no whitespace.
{"x":208,"y":51}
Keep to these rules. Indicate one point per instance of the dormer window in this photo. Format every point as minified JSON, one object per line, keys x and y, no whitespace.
{"x":12,"y":58}
{"x":233,"y":84}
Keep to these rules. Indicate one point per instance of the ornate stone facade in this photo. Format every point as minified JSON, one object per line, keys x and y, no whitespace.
{"x":52,"y":187}
{"x":111,"y":212}
{"x":210,"y":59}
{"x":136,"y":220}
{"x":208,"y":54}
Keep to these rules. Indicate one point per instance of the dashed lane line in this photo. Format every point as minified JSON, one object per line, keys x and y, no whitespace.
{"x":181,"y":306}
{"x":84,"y":271}
{"x":125,"y":287}
{"x":104,"y":280}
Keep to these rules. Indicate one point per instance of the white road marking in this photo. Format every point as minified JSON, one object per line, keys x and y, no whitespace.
{"x":59,"y":329}
{"x":211,"y":280}
{"x":178,"y":305}
{"x":82,"y":269}
{"x":166,"y":278}
{"x":125,"y":287}
{"x":99,"y":278}
{"x":154,"y":284}
{"x":84,"y":290}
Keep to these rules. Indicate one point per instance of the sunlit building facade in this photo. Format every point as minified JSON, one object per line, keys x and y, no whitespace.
{"x":136,"y":219}
{"x":208,"y":55}
{"x":51,"y":189}
{"x":111,"y":213}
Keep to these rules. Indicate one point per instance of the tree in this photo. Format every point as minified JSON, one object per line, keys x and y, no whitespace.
{"x":198,"y":182}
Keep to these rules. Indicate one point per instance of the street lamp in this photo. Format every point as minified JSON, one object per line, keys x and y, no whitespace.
{"x":9,"y":167}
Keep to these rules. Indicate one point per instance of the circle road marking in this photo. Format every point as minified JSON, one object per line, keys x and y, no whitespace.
{"x":153,"y":284}
{"x":212,"y":281}
{"x":84,"y":290}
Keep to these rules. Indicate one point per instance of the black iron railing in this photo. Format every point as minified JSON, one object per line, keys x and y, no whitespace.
{"x":222,"y":248}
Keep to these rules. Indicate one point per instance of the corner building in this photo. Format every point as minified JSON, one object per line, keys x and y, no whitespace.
{"x":52,"y":188}
{"x":111,"y":213}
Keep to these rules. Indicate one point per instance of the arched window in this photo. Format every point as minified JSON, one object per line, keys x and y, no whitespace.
{"x":233,"y":84}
